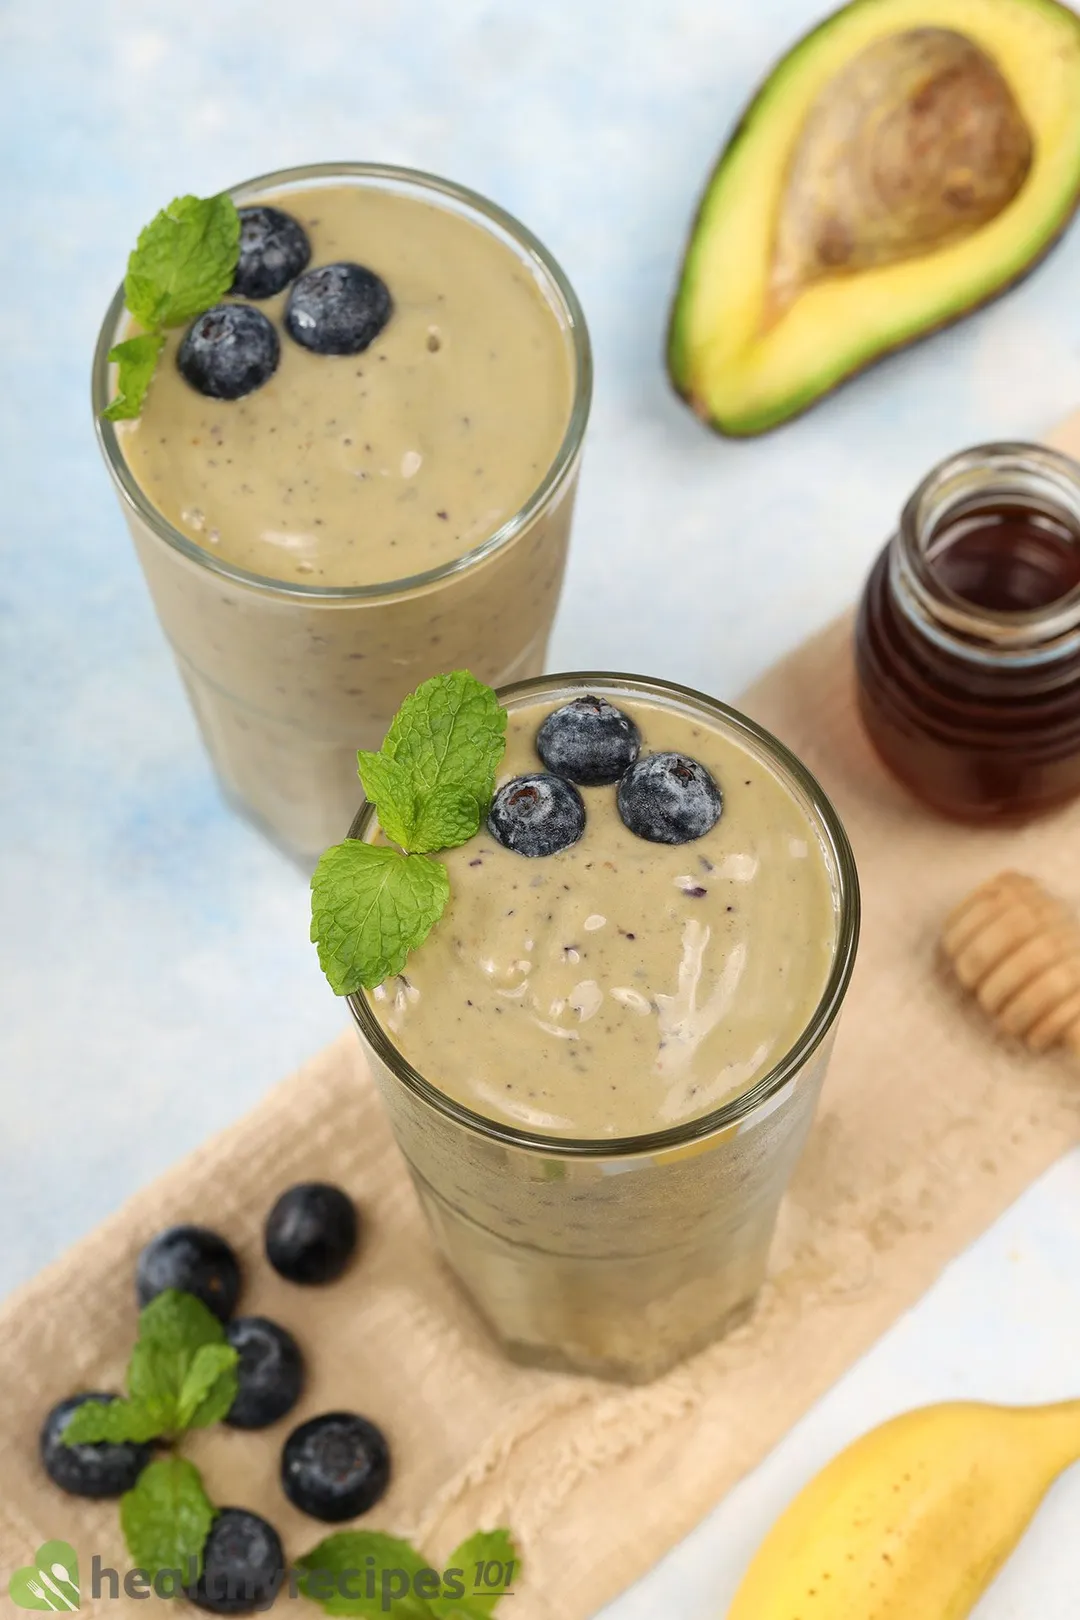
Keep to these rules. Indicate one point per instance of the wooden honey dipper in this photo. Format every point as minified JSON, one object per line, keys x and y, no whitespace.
{"x":1018,"y":950}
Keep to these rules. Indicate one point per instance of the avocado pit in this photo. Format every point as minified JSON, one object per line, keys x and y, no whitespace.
{"x":916,"y":143}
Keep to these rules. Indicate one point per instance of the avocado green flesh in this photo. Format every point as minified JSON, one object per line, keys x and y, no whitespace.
{"x":744,"y":370}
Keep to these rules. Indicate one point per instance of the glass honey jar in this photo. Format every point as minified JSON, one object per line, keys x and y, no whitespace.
{"x":967,"y":639}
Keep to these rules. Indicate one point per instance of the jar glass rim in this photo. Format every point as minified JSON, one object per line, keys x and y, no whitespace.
{"x":830,"y":830}
{"x":1008,"y":468}
{"x":500,"y":223}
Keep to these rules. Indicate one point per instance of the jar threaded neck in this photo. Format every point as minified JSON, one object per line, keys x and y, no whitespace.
{"x":1024,"y":479}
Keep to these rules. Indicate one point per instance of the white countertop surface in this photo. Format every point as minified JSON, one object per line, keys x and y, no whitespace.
{"x":155,"y":974}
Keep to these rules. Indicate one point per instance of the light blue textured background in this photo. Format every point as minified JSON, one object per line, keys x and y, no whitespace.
{"x":154,"y":970}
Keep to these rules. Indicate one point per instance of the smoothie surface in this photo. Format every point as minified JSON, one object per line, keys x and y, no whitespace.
{"x":620,"y":986}
{"x":362,"y":469}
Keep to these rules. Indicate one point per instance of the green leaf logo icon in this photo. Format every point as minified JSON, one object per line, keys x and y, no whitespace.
{"x":50,"y":1582}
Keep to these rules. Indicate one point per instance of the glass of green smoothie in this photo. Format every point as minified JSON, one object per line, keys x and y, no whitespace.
{"x":602,"y":1063}
{"x":361,"y":520}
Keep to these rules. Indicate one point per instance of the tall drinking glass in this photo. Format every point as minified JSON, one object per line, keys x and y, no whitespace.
{"x":618,"y":1257}
{"x":288,"y":679}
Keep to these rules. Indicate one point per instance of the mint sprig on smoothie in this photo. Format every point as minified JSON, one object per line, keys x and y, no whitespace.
{"x":431,"y":783}
{"x":183,"y":262}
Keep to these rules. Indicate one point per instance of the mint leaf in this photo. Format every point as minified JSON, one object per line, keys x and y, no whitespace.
{"x":390,"y":788}
{"x":439,"y":820}
{"x":371,"y":906}
{"x":450,"y":816}
{"x":338,"y":1576}
{"x":179,"y":1323}
{"x":451,"y":732}
{"x":489,"y":1565}
{"x":166,"y":1518}
{"x":185,"y":261}
{"x":137,"y":358}
{"x":116,"y":1421}
{"x":209,"y":1387}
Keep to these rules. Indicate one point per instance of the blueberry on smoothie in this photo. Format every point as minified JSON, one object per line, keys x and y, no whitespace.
{"x":669,"y":799}
{"x":537,"y":815}
{"x":274,"y":248}
{"x":103,"y":1469}
{"x":337,"y":308}
{"x":270,"y":1372}
{"x":194,"y":1260}
{"x":589,"y":741}
{"x":311,"y":1233}
{"x":243,"y":1564}
{"x":335,"y":1466}
{"x":229,"y":352}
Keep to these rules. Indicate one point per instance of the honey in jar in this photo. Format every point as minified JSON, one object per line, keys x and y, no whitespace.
{"x":967,"y":641}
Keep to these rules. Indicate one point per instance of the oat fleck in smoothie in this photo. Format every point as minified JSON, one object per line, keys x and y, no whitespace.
{"x":621,"y":954}
{"x":390,"y":382}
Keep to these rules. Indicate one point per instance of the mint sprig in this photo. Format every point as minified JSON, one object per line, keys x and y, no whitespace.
{"x":431,"y":784}
{"x":184,"y":261}
{"x":369,"y":1574}
{"x":181,"y":1375}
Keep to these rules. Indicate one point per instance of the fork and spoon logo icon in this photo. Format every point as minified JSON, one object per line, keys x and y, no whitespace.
{"x":51,"y":1582}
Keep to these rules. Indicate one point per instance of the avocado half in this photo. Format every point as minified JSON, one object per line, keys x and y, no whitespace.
{"x":904,"y":163}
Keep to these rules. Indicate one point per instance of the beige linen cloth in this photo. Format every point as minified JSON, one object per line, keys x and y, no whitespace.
{"x":927,"y":1130}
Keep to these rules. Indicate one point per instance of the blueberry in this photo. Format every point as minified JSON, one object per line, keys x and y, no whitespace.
{"x":271,"y":1372}
{"x":311,"y":1233}
{"x":229,"y":352}
{"x":537,"y":815}
{"x":588,"y":741}
{"x":338,"y":308}
{"x":273,"y":250}
{"x":243,"y":1564}
{"x":335,"y":1466}
{"x":104,"y":1469}
{"x":669,"y":799}
{"x":194,"y":1260}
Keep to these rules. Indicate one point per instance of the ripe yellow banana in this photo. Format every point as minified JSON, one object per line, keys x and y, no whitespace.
{"x":914,"y":1520}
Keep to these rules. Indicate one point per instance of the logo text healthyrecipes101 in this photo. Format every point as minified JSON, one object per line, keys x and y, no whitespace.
{"x":51,"y":1583}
